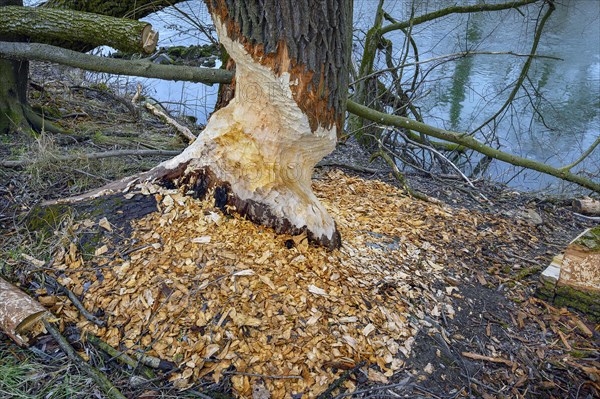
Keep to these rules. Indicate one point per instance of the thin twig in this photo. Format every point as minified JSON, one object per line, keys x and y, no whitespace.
{"x":99,"y":378}
{"x":76,"y":302}
{"x":271,"y":377}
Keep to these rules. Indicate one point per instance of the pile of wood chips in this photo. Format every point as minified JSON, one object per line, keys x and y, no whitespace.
{"x":221,"y":296}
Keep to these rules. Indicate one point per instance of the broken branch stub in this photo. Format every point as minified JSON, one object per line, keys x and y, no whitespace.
{"x":20,"y":315}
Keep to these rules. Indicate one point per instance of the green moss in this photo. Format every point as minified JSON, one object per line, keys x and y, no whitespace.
{"x":46,"y":220}
{"x":590,"y":239}
{"x":192,"y":52}
{"x":586,"y":302}
{"x":546,"y":289}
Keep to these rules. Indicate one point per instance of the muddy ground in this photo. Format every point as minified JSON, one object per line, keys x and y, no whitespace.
{"x":531,"y":349}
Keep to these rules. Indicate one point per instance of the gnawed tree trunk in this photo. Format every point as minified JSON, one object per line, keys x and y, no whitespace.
{"x":67,"y":26}
{"x":258,"y":152}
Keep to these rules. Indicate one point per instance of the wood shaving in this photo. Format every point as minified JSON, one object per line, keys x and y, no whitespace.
{"x":214,"y":293}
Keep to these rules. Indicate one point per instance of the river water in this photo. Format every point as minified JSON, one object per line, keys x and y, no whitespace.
{"x":461,"y":94}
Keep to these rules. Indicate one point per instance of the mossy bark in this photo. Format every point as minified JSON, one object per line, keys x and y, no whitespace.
{"x":69,"y":27}
{"x":13,"y":90}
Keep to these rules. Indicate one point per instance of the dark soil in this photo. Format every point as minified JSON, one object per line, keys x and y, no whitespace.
{"x":544,"y":354}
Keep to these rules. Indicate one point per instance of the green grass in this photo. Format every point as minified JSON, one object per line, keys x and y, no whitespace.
{"x":23,"y":375}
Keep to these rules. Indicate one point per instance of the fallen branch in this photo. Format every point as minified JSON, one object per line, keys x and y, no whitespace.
{"x":356,"y":168}
{"x":272,"y":377}
{"x":59,"y":55}
{"x":184,"y":131}
{"x":469,"y":142}
{"x":93,"y":155}
{"x":154,"y":362}
{"x":586,"y":205}
{"x":73,"y":298}
{"x":120,"y":356}
{"x":100,"y":379}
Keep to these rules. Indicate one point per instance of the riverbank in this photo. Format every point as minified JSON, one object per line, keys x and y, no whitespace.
{"x":474,"y":327}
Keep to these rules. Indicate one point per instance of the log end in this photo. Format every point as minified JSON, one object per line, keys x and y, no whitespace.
{"x":149,"y":39}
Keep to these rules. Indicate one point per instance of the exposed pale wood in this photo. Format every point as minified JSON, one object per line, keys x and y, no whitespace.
{"x":588,"y":206}
{"x":184,"y":131}
{"x":19,"y":313}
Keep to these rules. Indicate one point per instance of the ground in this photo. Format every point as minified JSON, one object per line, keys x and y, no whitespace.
{"x":464,"y":273}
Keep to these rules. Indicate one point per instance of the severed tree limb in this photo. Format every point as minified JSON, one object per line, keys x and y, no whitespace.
{"x":100,"y":379}
{"x":93,"y":155}
{"x":134,"y":9}
{"x":19,"y":313}
{"x":587,"y":206}
{"x":469,"y":142}
{"x":120,"y":356}
{"x":184,"y":131}
{"x":46,"y":52}
{"x":51,"y":25}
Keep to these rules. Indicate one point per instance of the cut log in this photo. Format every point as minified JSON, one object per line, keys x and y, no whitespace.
{"x":50,"y":25}
{"x":20,"y":316}
{"x":573,"y":278}
{"x":586,"y":205}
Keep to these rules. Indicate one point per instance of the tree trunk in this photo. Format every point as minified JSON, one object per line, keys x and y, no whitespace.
{"x":257,"y":154}
{"x":68,"y":26}
{"x":13,"y":90}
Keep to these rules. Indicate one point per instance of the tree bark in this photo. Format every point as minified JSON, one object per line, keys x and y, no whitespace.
{"x":19,"y":314}
{"x":588,"y":206}
{"x":13,"y":90}
{"x":133,"y":9}
{"x":68,"y":26}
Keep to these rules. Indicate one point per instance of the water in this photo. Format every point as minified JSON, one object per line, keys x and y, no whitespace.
{"x":461,"y":94}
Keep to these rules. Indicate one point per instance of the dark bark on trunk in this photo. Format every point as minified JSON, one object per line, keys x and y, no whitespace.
{"x":13,"y":90}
